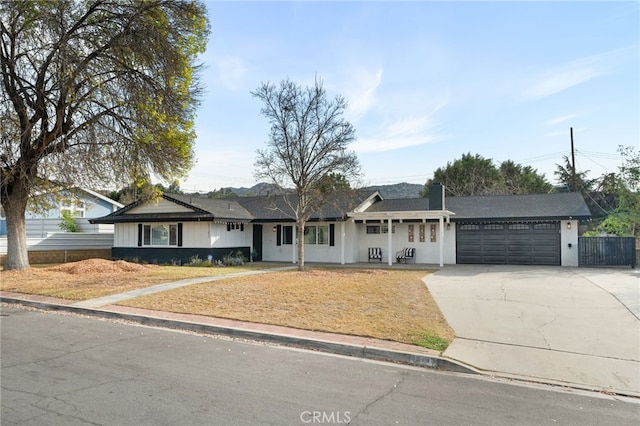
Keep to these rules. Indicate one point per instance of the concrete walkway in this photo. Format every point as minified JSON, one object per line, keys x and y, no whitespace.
{"x":115,"y":298}
{"x":571,"y":326}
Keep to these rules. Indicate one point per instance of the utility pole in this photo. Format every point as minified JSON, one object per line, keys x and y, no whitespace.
{"x":573,"y":164}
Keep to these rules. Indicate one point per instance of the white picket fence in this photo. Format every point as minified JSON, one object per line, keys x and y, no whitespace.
{"x":66,"y":241}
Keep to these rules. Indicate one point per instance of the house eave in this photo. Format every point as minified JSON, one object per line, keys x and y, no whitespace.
{"x":402,"y":215}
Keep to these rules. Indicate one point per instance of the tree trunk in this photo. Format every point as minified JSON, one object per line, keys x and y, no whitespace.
{"x":301,"y":246}
{"x":15,"y":206}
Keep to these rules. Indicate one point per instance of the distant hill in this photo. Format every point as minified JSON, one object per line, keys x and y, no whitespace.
{"x":398,"y":190}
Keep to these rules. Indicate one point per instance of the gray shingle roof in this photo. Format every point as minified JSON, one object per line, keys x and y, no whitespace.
{"x":220,"y":209}
{"x":275,"y":208}
{"x":203,"y":209}
{"x":279,"y":207}
{"x":531,"y":206}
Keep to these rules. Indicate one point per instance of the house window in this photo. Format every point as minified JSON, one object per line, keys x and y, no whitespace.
{"x":235,"y":226}
{"x":494,"y":226}
{"x":75,"y":208}
{"x":380,"y":229}
{"x":519,"y":226}
{"x":160,"y":235}
{"x":422,"y":233}
{"x":410,"y":233}
{"x":469,"y":227}
{"x":545,"y":226}
{"x":316,"y":234}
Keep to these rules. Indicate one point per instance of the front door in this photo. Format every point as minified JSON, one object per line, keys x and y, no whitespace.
{"x":257,"y":242}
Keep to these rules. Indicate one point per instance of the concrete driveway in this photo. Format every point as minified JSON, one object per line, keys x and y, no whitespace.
{"x":570,"y":326}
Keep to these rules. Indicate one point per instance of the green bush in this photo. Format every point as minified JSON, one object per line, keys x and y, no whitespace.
{"x":68,"y":223}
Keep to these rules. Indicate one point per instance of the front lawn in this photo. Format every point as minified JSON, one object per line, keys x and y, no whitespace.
{"x":391,"y":305}
{"x":386,"y":304}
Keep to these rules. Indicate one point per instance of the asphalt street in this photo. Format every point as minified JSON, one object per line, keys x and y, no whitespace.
{"x":72,"y":370}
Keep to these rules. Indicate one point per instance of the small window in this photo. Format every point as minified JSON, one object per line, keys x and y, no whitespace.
{"x":519,"y":226}
{"x":494,"y":226}
{"x":373,"y":229}
{"x":469,"y":227}
{"x":545,"y":226}
{"x":75,"y":208}
{"x":380,"y":229}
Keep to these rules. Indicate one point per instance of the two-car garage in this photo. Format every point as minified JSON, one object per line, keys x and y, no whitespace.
{"x":510,"y":243}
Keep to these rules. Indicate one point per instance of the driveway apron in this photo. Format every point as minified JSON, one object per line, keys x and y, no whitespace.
{"x":571,"y":326}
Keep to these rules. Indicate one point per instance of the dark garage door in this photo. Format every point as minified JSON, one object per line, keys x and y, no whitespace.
{"x":520,"y":243}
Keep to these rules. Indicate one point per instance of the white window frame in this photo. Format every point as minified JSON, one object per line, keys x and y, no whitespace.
{"x":76,"y":208}
{"x":312,"y":235}
{"x":148,"y":234}
{"x":381,"y":228}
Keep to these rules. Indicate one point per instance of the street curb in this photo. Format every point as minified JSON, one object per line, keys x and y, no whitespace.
{"x":358,"y":351}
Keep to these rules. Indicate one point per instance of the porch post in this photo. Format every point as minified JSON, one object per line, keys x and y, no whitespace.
{"x":342,"y":242}
{"x":441,"y":226}
{"x":389,"y":235}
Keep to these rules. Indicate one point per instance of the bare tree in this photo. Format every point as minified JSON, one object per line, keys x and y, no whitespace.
{"x":308,"y":141}
{"x":98,"y":91}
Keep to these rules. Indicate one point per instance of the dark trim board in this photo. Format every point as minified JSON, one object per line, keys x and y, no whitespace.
{"x":508,"y":243}
{"x":173,"y":255}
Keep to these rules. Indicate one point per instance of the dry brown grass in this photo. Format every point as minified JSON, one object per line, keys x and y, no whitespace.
{"x":392,"y":305}
{"x":93,"y":278}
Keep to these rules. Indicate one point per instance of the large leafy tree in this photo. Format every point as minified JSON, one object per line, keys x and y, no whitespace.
{"x":308,"y":142}
{"x":573,"y":180}
{"x":624,"y":220}
{"x":518,"y":179}
{"x":95,"y":91}
{"x":476,"y":175}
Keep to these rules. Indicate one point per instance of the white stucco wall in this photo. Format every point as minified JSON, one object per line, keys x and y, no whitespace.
{"x":323,"y":253}
{"x":427,"y":252}
{"x":569,"y":236}
{"x":221,"y":238}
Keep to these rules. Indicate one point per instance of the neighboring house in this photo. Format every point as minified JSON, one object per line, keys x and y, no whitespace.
{"x":83,"y":203}
{"x":540,"y":229}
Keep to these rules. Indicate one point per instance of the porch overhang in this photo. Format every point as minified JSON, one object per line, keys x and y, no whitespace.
{"x":441,"y":216}
{"x":403,"y":215}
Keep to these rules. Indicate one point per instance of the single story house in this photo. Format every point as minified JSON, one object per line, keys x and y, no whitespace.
{"x":82,"y":203}
{"x":537,"y":229}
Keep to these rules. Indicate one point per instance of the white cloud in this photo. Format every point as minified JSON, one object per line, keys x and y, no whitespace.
{"x":360,"y":92}
{"x":561,"y":119}
{"x":574,"y":73}
{"x":555,"y":81}
{"x":402,"y":133}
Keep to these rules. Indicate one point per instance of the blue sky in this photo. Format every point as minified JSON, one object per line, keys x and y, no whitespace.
{"x":427,"y":82}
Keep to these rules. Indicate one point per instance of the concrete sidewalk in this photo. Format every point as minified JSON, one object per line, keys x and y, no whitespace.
{"x":570,"y":326}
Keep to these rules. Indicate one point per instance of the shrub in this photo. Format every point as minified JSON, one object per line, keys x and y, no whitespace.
{"x":68,"y":223}
{"x":234,"y":259}
{"x":196,"y":261}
